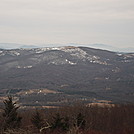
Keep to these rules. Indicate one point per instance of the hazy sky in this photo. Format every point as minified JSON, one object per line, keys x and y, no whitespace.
{"x":67,"y":21}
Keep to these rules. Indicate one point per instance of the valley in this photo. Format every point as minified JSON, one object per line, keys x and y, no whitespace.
{"x":56,"y":76}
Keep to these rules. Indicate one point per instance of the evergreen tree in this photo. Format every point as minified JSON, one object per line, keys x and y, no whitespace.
{"x":66,"y":124}
{"x":11,"y":118}
{"x":60,"y":123}
{"x":80,"y":121}
{"x":37,"y":120}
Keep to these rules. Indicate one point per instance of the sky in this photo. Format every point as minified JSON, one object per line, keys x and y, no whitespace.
{"x":67,"y":21}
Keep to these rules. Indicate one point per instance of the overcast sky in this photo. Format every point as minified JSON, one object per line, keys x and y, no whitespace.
{"x":67,"y":21}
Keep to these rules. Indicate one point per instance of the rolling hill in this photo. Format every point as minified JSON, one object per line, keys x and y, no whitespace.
{"x":59,"y":75}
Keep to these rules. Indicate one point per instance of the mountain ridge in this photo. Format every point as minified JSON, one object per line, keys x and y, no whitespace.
{"x":96,"y":46}
{"x":74,"y":73}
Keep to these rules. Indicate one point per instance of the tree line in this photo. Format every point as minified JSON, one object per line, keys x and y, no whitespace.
{"x":74,"y":119}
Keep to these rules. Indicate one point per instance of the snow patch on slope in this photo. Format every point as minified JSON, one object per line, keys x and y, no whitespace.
{"x":24,"y":67}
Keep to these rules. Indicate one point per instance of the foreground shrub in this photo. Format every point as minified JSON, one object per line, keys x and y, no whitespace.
{"x":78,"y":119}
{"x":11,"y":118}
{"x":60,"y":123}
{"x":37,"y":120}
{"x":16,"y":131}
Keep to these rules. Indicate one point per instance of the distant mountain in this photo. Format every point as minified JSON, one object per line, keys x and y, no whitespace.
{"x":106,"y":47}
{"x":97,"y":46}
{"x":57,"y":75}
{"x":110,"y":48}
{"x":15,"y":46}
{"x":9,"y":45}
{"x":28,"y":46}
